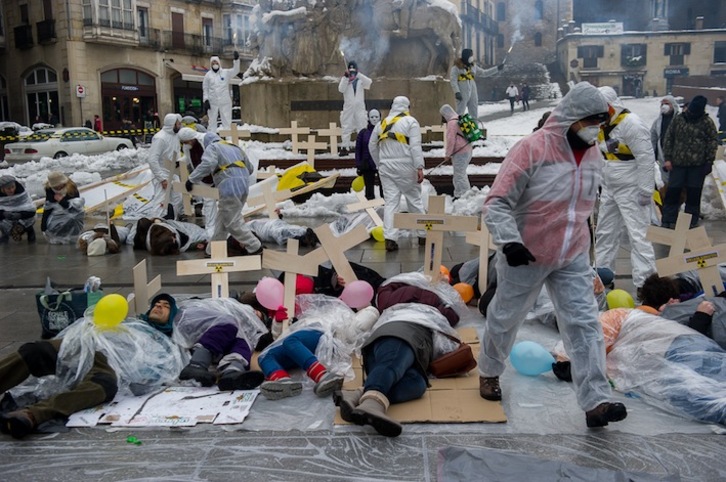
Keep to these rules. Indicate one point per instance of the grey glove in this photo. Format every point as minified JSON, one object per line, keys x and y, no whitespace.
{"x":644,"y":199}
{"x":458,"y":96}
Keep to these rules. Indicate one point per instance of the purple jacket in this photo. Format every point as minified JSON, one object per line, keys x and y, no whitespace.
{"x":363,"y":159}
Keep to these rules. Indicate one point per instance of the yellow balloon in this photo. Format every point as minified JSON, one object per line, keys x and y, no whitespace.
{"x":377,"y":234}
{"x":358,"y":184}
{"x":620,"y":299}
{"x":110,"y":311}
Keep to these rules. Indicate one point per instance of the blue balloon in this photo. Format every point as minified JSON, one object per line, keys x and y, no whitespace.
{"x":530,"y":358}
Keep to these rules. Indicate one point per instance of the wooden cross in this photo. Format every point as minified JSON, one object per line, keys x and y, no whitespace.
{"x":483,"y":239}
{"x":333,"y":248}
{"x":235,"y":133}
{"x":333,"y":131}
{"x":291,"y":264}
{"x":310,"y":147}
{"x":294,"y":131}
{"x":701,"y":257}
{"x":219,"y":266}
{"x":436,"y":222}
{"x":369,"y":206}
{"x":143,"y":291}
{"x":201,"y":190}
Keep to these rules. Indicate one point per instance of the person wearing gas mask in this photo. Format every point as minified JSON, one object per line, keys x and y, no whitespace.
{"x":353,"y":85}
{"x":537,"y":213}
{"x":462,"y":76}
{"x":364,"y":164}
{"x":216,"y":94}
{"x":627,"y":189}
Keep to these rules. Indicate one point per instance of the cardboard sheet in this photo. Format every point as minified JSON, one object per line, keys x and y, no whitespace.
{"x":449,"y":400}
{"x":171,"y":407}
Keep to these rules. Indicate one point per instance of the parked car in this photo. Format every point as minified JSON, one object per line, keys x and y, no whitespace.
{"x":58,"y":143}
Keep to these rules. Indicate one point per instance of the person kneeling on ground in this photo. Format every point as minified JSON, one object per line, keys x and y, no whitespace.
{"x":17,"y":212}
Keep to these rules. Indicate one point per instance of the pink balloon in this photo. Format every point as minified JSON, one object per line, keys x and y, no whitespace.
{"x":270,"y":293}
{"x":357,"y":294}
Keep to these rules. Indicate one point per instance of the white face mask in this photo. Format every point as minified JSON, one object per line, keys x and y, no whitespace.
{"x":374,"y":118}
{"x":215,"y":67}
{"x":471,"y":60}
{"x":589,"y":134}
{"x":665,"y":109}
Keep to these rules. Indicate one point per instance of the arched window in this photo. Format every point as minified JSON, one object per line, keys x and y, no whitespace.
{"x":538,"y":39}
{"x":538,"y":10}
{"x":41,"y":91}
{"x":128,"y":99}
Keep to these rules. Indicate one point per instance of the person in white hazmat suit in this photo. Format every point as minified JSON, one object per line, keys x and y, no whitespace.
{"x":628,"y":180}
{"x":164,"y":146}
{"x":193,"y":147}
{"x":395,"y":146}
{"x":354,"y":115}
{"x":537,"y":213}
{"x":461,"y":76}
{"x":231,"y":171}
{"x":215,"y":92}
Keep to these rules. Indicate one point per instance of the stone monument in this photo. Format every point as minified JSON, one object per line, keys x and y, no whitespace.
{"x":303,"y":47}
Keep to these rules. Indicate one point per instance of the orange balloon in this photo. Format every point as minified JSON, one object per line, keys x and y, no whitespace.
{"x":465,"y":290}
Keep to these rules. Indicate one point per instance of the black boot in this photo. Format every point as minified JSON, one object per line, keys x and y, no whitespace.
{"x":235,"y":376}
{"x":198,"y":368}
{"x":31,"y":235}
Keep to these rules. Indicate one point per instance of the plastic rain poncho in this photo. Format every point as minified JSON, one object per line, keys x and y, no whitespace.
{"x":140,"y":355}
{"x":347,"y":222}
{"x":231,"y":171}
{"x":195,"y":234}
{"x":542,"y":199}
{"x":275,"y":230}
{"x":670,"y":366}
{"x":331,"y":317}
{"x":448,"y":295}
{"x":20,"y":202}
{"x":627,"y":189}
{"x":398,"y":163}
{"x":681,"y":313}
{"x":63,"y":225}
{"x":198,"y":316}
{"x":426,"y":316}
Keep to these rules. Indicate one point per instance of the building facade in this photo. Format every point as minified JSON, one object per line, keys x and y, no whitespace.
{"x":64,"y":61}
{"x":639,"y":63}
{"x":479,"y":31}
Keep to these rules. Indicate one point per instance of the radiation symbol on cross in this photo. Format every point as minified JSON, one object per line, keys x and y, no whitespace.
{"x":428,"y":225}
{"x":701,"y":263}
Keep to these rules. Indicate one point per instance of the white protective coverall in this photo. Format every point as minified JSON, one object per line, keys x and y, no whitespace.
{"x":542,"y":199}
{"x":627,"y":189}
{"x":354,"y":115}
{"x":462,"y":80}
{"x":164,"y":145}
{"x":209,"y":206}
{"x":231,"y":171}
{"x":656,"y":139}
{"x":215,"y":89}
{"x":398,"y":155}
{"x":458,"y":149}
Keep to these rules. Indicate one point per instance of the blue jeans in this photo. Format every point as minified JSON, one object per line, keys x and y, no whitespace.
{"x":296,"y":350}
{"x":391,"y":369}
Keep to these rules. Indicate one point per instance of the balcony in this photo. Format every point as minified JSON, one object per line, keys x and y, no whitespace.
{"x":46,"y":32}
{"x":24,"y":36}
{"x":633,"y":62}
{"x":105,"y":31}
{"x":150,"y":38}
{"x":193,"y":44}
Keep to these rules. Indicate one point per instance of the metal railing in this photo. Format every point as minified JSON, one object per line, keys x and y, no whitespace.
{"x":46,"y":31}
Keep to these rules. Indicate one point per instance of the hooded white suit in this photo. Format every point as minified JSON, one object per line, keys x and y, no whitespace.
{"x":542,"y":198}
{"x":354,"y":115}
{"x":164,"y":145}
{"x":398,"y":163}
{"x":627,"y":189}
{"x":215,"y":89}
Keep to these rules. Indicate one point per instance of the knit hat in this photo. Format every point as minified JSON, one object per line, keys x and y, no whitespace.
{"x":6,"y":180}
{"x":97,"y":247}
{"x":167,"y":327}
{"x":57,"y":180}
{"x":697,"y":106}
